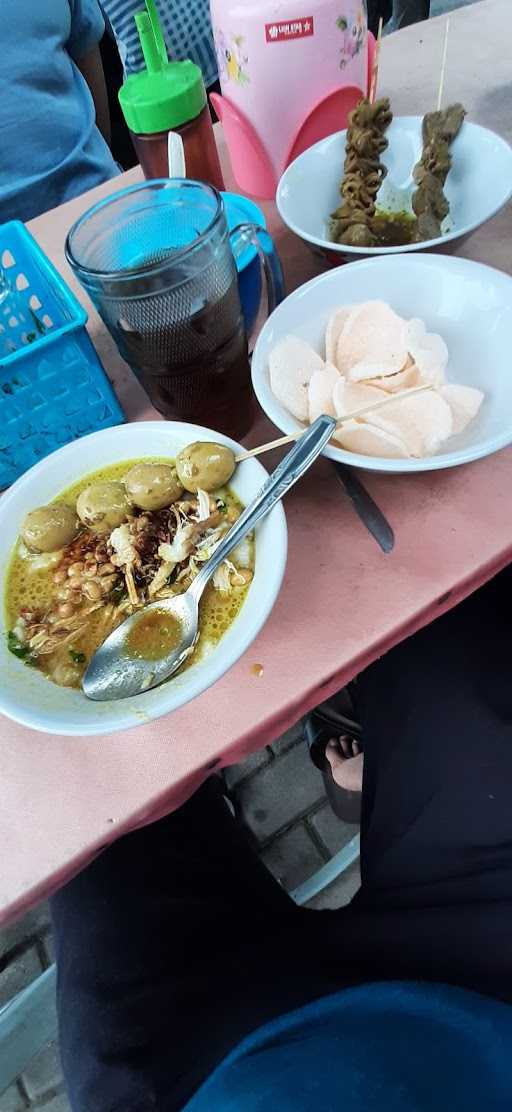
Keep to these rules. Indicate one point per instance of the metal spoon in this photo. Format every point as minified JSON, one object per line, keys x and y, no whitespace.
{"x":113,"y":672}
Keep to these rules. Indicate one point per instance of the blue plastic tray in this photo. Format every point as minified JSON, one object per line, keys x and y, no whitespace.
{"x":53,"y":388}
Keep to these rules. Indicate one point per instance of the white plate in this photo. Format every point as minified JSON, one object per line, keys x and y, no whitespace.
{"x":477,"y":187}
{"x":469,"y":304}
{"x":25,"y":694}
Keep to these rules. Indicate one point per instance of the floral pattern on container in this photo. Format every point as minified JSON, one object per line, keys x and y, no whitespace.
{"x":353,"y":30}
{"x":232,"y":59}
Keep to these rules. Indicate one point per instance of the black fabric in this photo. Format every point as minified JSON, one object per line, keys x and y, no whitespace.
{"x":406,"y":12}
{"x":120,"y":141}
{"x":378,"y":9}
{"x":175,"y":943}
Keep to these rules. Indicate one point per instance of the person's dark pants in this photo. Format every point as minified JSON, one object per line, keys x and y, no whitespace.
{"x":176,"y":942}
{"x":406,"y":12}
{"x":377,"y":10}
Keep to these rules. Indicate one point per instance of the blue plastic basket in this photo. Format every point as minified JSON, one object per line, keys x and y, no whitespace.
{"x":53,"y":388}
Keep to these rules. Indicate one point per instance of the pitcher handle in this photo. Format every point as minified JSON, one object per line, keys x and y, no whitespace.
{"x":245,"y":235}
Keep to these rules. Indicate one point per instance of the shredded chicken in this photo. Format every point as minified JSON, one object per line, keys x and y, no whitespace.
{"x":242,"y":554}
{"x":221,"y":579}
{"x":130,"y":587}
{"x":181,"y":549}
{"x":164,"y":572}
{"x":182,"y":545}
{"x":43,"y":643}
{"x":227,"y":576}
{"x":125,"y":556}
{"x":158,"y":553}
{"x":122,"y":543}
{"x":203,"y":510}
{"x":211,"y":539}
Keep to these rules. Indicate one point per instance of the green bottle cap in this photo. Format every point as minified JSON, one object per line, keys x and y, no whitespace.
{"x":165,"y":95}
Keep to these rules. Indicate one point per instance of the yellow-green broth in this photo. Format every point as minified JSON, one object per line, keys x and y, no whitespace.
{"x":154,"y":635}
{"x":35,"y":589}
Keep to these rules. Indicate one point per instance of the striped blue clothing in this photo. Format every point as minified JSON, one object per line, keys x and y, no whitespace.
{"x":186,"y":26}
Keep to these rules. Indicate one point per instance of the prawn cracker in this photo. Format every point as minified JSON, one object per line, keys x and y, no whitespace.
{"x":464,"y":402}
{"x":320,"y":392}
{"x":428,"y":350}
{"x":291,"y":364}
{"x":374,"y":338}
{"x":423,"y":422}
{"x":335,"y":326}
{"x":367,"y":440}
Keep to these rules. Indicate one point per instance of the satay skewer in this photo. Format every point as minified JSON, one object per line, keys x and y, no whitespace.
{"x":443,"y":65}
{"x":373,"y":83}
{"x":355,"y":415}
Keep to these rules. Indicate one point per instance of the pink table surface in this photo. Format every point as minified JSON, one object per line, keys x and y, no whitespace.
{"x":342,"y":604}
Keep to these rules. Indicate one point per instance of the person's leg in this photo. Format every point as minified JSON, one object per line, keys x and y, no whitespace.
{"x":436,"y":713}
{"x":406,"y":12}
{"x":437,"y":726}
{"x":144,"y":938}
{"x":172,"y":946}
{"x":377,"y":10}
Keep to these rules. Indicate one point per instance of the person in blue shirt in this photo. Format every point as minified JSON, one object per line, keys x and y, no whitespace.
{"x":189,"y":980}
{"x":186,"y":26}
{"x":54,"y":125}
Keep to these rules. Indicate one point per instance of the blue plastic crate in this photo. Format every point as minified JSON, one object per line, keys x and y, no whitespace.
{"x":53,"y":388}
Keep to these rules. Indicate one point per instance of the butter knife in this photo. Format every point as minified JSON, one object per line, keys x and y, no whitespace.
{"x":366,"y":509}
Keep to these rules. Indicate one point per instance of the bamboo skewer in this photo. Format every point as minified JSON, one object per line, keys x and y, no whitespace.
{"x":375,"y":68}
{"x":341,"y":421}
{"x":443,"y":65}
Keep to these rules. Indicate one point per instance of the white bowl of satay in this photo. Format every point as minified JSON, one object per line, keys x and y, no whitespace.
{"x":120,"y":518}
{"x":411,"y":354}
{"x":388,"y":185}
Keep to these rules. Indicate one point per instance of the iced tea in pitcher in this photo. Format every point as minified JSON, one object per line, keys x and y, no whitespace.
{"x":156,"y":259}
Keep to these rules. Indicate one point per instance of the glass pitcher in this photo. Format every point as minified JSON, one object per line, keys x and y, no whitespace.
{"x":157,"y":262}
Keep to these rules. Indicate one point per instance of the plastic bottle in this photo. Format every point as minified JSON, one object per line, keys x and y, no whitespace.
{"x":168,"y":96}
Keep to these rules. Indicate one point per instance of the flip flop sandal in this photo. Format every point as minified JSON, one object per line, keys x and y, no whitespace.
{"x":319,"y":727}
{"x":339,"y":712}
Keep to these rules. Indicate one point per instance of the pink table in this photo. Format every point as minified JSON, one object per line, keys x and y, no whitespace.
{"x":342,"y":604}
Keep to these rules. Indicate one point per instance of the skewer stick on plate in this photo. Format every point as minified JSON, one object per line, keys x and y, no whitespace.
{"x":355,"y":415}
{"x":443,"y":65}
{"x":375,"y":67}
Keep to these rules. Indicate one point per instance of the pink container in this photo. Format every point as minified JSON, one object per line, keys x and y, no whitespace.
{"x":290,"y":71}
